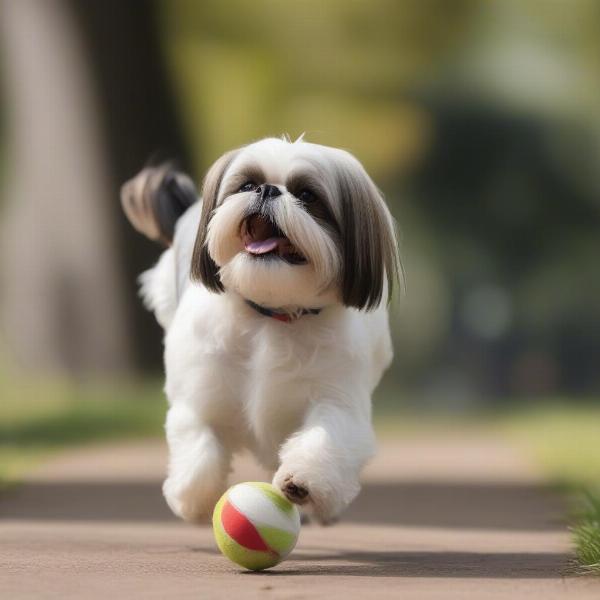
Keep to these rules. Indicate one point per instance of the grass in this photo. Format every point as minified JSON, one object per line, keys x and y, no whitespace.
{"x":39,"y":418}
{"x":586,"y":534}
{"x":565,"y":439}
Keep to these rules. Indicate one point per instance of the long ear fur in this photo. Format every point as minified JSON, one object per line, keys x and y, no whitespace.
{"x":204,"y":268}
{"x":155,"y":199}
{"x":369,"y":244}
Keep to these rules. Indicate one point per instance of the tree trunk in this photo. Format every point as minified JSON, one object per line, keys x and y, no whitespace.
{"x":140,"y":120}
{"x":87,"y":103}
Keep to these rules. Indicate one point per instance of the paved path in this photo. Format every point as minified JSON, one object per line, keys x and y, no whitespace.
{"x":439,"y":518}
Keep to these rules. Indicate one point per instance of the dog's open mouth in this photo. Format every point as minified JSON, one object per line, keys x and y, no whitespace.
{"x":263,"y":239}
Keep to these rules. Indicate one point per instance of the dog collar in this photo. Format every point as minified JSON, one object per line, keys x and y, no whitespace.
{"x":285,"y":317}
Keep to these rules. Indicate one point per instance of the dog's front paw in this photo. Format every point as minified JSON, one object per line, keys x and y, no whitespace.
{"x":295,"y":491}
{"x":324,"y":500}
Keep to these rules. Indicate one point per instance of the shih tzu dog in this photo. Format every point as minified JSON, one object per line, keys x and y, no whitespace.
{"x":272,"y":292}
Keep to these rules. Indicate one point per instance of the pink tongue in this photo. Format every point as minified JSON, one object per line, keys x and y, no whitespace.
{"x":263,"y":246}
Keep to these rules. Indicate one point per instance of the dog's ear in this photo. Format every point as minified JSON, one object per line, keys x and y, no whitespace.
{"x":368,"y":239}
{"x":155,"y":199}
{"x":204,"y":268}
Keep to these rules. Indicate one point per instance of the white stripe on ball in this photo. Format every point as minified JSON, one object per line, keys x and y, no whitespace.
{"x":256,"y":506}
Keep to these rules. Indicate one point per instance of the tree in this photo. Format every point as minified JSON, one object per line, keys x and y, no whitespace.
{"x":88,"y":101}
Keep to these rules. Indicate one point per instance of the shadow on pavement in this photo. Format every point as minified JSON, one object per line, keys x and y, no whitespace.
{"x":403,"y":563}
{"x":455,"y":505}
{"x":429,"y":564}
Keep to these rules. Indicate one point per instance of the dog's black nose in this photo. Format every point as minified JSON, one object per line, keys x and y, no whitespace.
{"x":267,"y":191}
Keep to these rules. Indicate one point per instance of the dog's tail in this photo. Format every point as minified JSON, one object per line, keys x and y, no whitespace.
{"x":155,"y":199}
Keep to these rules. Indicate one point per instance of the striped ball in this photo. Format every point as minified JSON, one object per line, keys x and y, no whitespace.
{"x":255,"y":526}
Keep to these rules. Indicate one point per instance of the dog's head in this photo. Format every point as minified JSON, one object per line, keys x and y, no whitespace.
{"x":295,"y":224}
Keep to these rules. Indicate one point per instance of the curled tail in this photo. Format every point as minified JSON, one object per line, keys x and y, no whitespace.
{"x":154,"y":200}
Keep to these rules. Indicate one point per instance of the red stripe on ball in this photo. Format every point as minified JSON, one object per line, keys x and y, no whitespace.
{"x":238,"y":527}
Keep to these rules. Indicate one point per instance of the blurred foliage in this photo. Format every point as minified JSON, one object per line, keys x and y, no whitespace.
{"x":479,"y":121}
{"x":334,"y":70}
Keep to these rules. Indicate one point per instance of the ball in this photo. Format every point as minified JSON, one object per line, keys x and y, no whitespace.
{"x":255,"y":526}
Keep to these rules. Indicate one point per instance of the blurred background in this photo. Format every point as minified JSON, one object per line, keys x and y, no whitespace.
{"x":480,"y":121}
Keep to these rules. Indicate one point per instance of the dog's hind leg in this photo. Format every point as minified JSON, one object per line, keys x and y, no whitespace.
{"x":199,"y":464}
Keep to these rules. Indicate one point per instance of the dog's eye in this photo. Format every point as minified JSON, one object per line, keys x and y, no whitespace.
{"x":306,"y":196}
{"x":248,"y":187}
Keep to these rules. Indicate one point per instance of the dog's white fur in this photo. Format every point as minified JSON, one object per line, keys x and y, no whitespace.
{"x":297,"y":394}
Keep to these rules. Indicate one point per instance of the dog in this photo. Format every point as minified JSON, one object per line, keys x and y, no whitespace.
{"x":273,"y":292}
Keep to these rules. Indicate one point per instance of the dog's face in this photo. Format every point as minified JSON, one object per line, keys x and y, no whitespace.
{"x":294,"y":225}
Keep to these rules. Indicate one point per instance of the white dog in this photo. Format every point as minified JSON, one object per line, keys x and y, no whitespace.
{"x":273,"y":298}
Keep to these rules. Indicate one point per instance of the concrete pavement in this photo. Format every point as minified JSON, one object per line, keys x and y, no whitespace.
{"x":445,"y":517}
